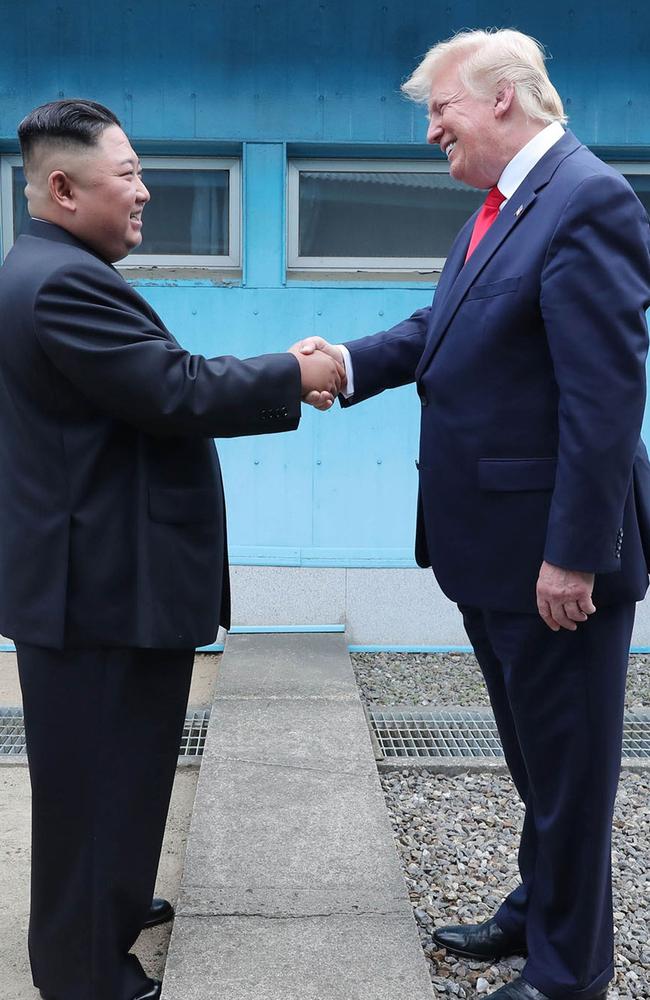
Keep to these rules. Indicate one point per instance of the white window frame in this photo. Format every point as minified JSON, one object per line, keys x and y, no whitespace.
{"x":217,"y":261}
{"x":297,"y":263}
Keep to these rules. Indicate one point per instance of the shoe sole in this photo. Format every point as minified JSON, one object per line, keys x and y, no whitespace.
{"x":156,"y":923}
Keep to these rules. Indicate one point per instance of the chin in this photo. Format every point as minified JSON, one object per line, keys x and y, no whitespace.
{"x":457,"y":173}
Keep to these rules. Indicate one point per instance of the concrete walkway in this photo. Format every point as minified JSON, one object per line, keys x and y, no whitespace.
{"x":292,"y":887}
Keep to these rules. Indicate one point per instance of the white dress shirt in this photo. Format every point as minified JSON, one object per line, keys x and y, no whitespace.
{"x":516,"y":170}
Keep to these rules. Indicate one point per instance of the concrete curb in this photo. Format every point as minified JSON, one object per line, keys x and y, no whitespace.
{"x":292,"y":886}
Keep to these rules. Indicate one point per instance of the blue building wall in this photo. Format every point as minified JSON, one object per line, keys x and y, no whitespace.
{"x":278,"y":77}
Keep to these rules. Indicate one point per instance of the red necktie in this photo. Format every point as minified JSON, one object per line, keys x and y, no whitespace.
{"x":485,"y":218}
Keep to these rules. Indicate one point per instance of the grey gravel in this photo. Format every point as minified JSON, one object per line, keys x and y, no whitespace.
{"x":453,"y":679}
{"x":458,"y":835}
{"x":457,"y":838}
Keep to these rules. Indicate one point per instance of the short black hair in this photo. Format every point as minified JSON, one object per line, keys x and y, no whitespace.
{"x":70,"y":121}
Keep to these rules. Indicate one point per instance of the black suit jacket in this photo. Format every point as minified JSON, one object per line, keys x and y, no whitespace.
{"x":112,"y":521}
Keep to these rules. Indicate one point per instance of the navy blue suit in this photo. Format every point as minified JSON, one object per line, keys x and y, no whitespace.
{"x":113,"y":568}
{"x":530,"y":367}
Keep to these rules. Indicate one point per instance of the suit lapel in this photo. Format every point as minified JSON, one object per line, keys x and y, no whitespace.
{"x":454,"y":263}
{"x":464,"y":275}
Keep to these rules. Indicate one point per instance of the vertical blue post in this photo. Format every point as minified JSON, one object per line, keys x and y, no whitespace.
{"x":264,"y":221}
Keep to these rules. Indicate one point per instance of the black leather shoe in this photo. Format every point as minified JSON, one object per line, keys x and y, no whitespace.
{"x":160,"y":912}
{"x":155,"y":986}
{"x":519,"y":989}
{"x":151,"y":992}
{"x":480,"y":941}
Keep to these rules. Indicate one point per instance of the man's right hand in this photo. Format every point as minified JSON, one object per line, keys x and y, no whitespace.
{"x":309,"y":347}
{"x":321,"y":374}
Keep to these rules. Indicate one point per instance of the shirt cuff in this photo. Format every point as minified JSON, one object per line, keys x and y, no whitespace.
{"x":349,"y":372}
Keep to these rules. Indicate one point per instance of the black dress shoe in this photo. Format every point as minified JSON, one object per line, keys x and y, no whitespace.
{"x":519,"y":989}
{"x":160,"y":912}
{"x":151,"y":992}
{"x":155,"y":986}
{"x":480,"y":941}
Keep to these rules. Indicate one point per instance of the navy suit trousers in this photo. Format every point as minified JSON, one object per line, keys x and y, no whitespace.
{"x":558,"y":699}
{"x":103,"y":731}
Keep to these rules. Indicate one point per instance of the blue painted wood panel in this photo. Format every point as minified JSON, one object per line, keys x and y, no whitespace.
{"x":340,"y":490}
{"x":303,"y":70}
{"x":256,"y":76}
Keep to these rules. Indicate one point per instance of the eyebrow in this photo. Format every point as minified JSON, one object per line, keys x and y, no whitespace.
{"x":440,"y":99}
{"x":131,"y":162}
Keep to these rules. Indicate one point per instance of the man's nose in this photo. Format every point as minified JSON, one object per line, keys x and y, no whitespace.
{"x":143,"y":193}
{"x":434,"y":131}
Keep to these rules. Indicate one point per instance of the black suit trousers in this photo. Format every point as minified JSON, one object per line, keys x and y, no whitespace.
{"x":103,"y":729}
{"x":558,"y":699}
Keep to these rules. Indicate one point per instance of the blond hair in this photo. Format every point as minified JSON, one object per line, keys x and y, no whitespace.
{"x":488,"y":59}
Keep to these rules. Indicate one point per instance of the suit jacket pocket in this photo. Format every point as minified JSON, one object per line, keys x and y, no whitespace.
{"x":182,"y":506}
{"x":516,"y":474}
{"x":491,"y":288}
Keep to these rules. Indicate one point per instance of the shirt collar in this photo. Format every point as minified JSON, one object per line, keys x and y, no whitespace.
{"x":528,"y":156}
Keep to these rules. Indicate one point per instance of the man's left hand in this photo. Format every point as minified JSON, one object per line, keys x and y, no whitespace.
{"x":564,"y":597}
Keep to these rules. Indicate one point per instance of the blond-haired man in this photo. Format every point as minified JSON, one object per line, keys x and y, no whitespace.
{"x":534,"y":484}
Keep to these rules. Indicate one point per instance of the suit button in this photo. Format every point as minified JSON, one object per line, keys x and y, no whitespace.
{"x":423,"y":398}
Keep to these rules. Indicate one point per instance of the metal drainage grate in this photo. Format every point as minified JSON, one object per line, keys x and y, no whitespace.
{"x":413,"y":732}
{"x":12,"y":733}
{"x":194,"y":733}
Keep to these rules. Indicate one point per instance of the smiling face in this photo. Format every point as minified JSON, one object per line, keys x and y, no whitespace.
{"x":467,"y":128}
{"x":95,"y":192}
{"x":109,"y":196}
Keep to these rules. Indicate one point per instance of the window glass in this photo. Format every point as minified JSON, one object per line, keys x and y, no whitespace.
{"x":374,"y":214}
{"x":188,"y":212}
{"x":21,"y":216}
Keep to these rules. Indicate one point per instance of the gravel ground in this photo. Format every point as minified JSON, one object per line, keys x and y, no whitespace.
{"x":457,"y":837}
{"x":452,"y":679}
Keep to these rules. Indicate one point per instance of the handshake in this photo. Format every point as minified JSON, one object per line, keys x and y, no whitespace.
{"x":322,"y":371}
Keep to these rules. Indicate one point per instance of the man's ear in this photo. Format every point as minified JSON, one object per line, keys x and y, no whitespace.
{"x":503,"y":100}
{"x":60,"y":189}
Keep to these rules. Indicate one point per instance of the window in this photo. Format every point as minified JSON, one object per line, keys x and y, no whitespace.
{"x":386,"y":215}
{"x":374,"y":215}
{"x":193,"y":218}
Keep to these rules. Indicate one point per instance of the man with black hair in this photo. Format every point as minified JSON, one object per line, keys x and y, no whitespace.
{"x":113,"y":560}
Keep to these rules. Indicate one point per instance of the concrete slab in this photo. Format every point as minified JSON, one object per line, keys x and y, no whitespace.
{"x":287,"y":666}
{"x":287,"y":595}
{"x":372,"y":956}
{"x":400,"y":607}
{"x":291,"y":827}
{"x":255,"y":732}
{"x":292,"y":886}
